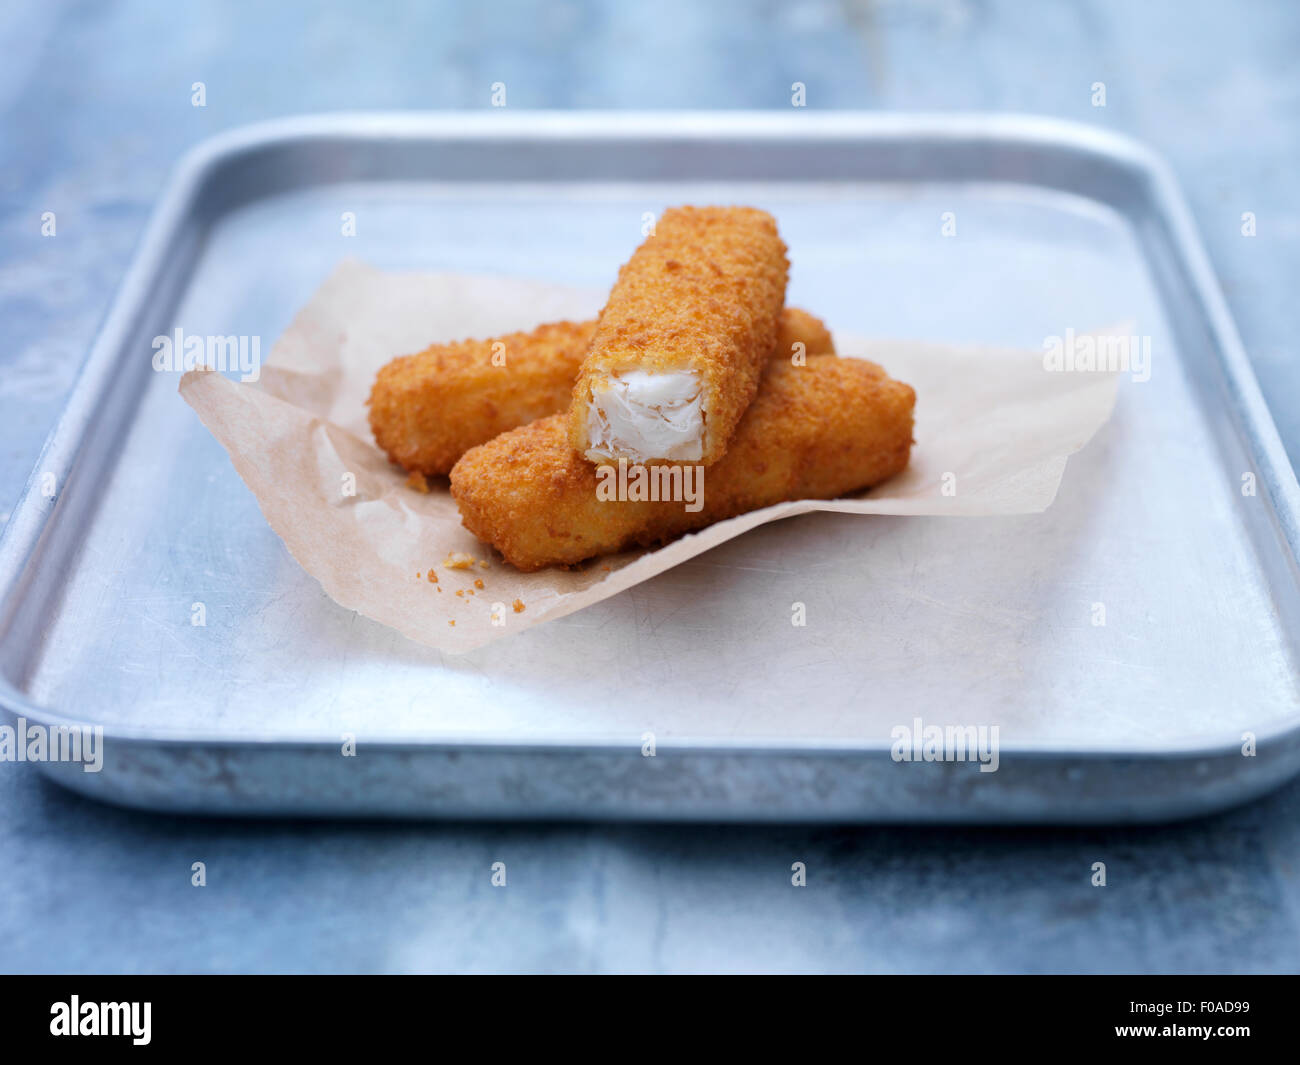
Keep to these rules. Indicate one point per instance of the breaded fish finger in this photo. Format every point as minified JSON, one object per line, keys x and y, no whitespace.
{"x":816,"y":431}
{"x":681,"y":343}
{"x":428,"y":409}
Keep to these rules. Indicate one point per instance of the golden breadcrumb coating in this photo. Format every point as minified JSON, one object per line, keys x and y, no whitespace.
{"x":816,"y":431}
{"x":702,"y":293}
{"x":427,"y":410}
{"x":794,"y":327}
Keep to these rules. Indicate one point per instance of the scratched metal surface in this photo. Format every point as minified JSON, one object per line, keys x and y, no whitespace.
{"x":990,"y":620}
{"x":608,"y":898}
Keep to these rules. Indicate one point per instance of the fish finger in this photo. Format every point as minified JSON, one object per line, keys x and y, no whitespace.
{"x":680,"y":346}
{"x":814,"y":431}
{"x":428,"y":409}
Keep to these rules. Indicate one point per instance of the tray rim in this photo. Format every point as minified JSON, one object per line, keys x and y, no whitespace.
{"x":180,"y":199}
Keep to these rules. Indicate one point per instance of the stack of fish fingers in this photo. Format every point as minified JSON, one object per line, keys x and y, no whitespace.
{"x":694,"y":365}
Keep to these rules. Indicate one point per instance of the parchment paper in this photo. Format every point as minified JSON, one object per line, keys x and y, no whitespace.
{"x":993,"y":432}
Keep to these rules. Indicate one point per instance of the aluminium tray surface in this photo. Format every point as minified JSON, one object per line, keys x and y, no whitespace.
{"x":955,"y":621}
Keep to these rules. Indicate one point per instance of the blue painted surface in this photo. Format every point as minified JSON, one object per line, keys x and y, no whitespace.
{"x":95,"y":105}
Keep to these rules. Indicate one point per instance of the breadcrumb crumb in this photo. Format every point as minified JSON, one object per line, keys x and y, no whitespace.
{"x":417,"y":482}
{"x":518,"y":604}
{"x":478,"y":582}
{"x":458,"y":560}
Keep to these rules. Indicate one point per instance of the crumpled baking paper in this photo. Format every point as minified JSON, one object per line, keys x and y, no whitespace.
{"x":993,"y":431}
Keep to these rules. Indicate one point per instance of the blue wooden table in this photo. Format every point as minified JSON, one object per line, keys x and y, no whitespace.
{"x":96,"y":106}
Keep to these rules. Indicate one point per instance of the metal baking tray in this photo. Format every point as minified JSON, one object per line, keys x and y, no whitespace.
{"x":953,"y":621}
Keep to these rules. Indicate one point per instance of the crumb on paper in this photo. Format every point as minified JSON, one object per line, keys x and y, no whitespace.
{"x":433,"y":578}
{"x":470,"y":591}
{"x":518,"y":604}
{"x":483,"y":563}
{"x":478,"y":583}
{"x":460,"y":592}
{"x":458,"y":560}
{"x":452,"y":621}
{"x":419,"y":574}
{"x":415,"y":480}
